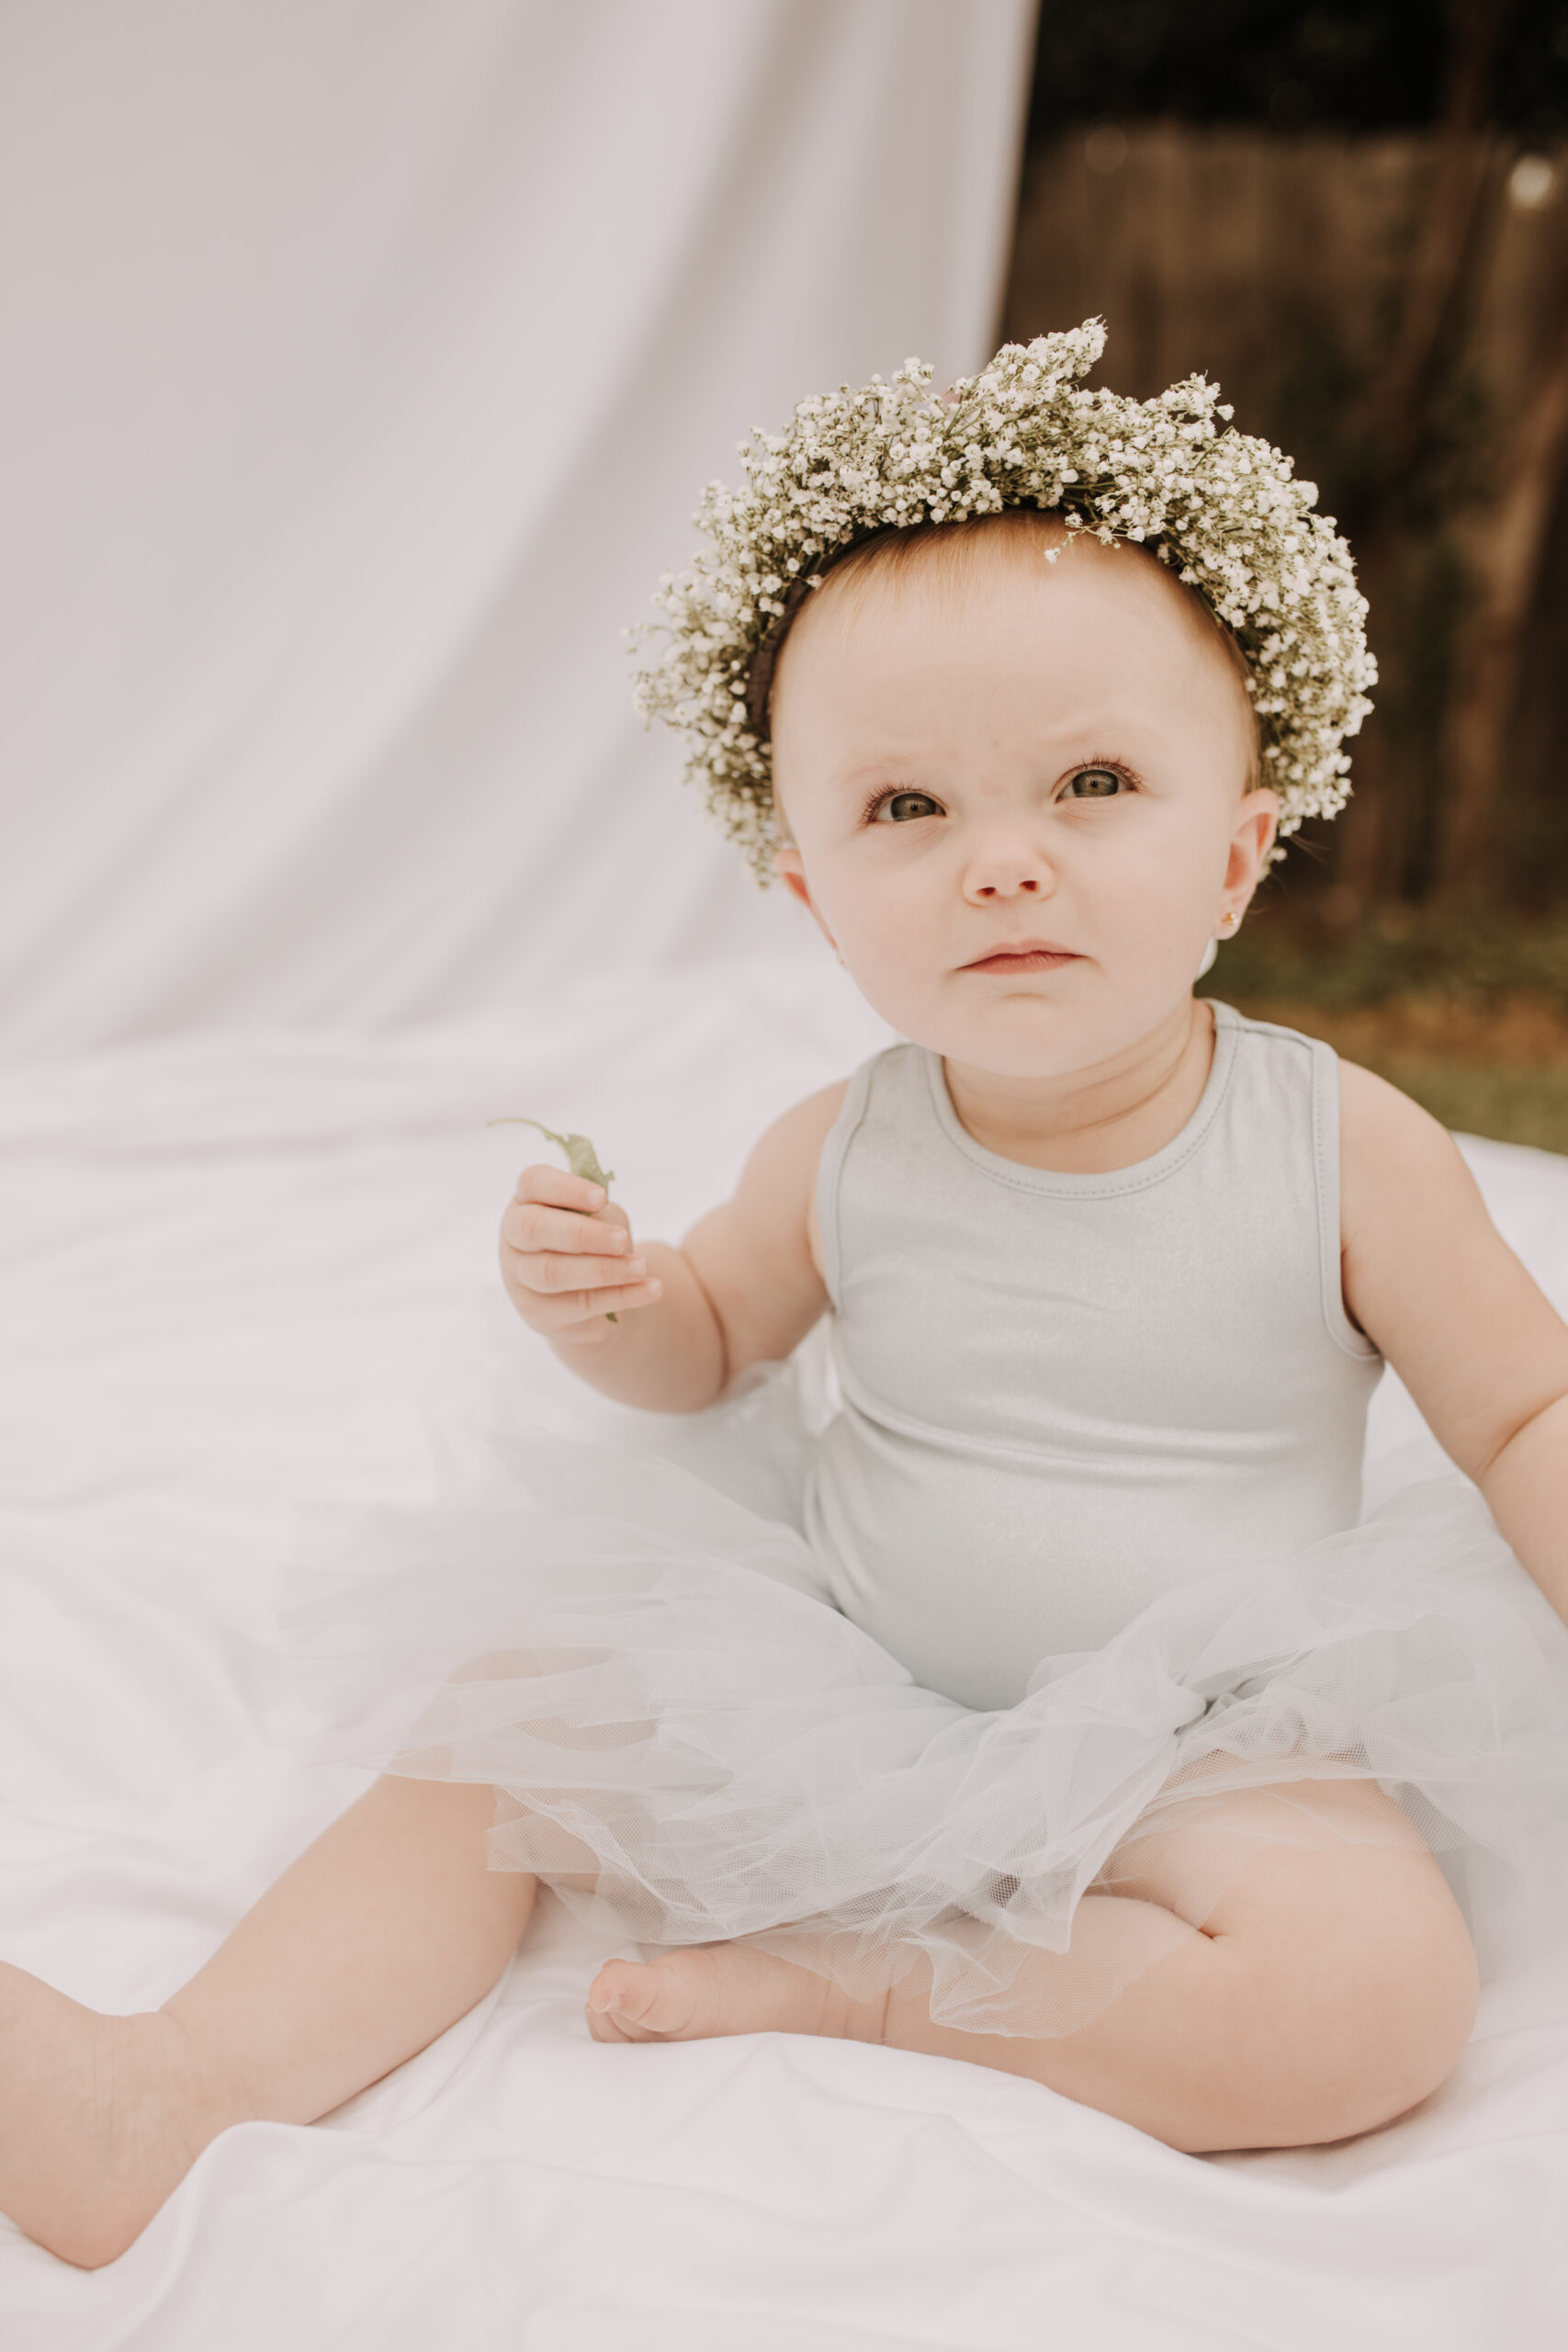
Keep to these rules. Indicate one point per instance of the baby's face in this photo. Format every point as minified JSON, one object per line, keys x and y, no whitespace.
{"x":1015,"y":797}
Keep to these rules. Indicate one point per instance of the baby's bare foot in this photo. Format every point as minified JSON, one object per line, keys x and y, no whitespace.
{"x":713,"y":1989}
{"x":97,"y":2119}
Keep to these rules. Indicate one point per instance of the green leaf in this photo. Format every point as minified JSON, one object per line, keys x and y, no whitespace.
{"x":581,"y":1156}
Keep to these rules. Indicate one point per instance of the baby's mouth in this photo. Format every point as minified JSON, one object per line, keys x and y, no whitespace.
{"x":1038,"y":957}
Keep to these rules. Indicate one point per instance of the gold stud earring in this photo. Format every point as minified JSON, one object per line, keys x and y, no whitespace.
{"x":1230,"y":923}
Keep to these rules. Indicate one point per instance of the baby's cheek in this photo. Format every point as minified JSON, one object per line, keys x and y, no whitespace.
{"x":1169,"y":893}
{"x":881,"y":969}
{"x":895,"y":965}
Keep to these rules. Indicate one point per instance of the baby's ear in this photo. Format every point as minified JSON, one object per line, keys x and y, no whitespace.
{"x":1257,"y":825}
{"x":790,"y":867}
{"x":790,"y":870}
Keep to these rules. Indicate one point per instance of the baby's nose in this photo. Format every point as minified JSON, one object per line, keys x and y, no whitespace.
{"x":1008,"y":874}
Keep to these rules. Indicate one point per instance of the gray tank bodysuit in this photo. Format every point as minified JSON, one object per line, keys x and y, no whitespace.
{"x":1063,"y":1395}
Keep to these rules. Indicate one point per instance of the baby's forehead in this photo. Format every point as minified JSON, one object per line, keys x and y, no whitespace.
{"x":924,"y":619}
{"x":1023,"y":563}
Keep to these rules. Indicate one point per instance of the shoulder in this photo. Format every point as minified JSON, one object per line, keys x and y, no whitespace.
{"x":785,"y":1160}
{"x":790,"y":1152}
{"x":1377,"y":1122}
{"x":755,"y":1255}
{"x":1407,"y":1200}
{"x":1389,"y":1144}
{"x":793,"y":1145}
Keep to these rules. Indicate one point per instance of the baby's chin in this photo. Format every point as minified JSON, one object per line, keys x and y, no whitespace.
{"x":1036,"y":1039}
{"x":1042,"y":1027}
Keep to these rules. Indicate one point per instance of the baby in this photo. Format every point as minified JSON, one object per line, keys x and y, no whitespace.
{"x":1070,"y":1725}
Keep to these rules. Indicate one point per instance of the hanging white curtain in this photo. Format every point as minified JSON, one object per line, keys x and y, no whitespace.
{"x":362,"y":361}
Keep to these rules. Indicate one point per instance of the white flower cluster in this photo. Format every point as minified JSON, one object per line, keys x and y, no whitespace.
{"x":1222,"y":508}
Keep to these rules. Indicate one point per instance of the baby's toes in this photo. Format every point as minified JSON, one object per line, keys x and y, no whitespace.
{"x":633,"y":2000}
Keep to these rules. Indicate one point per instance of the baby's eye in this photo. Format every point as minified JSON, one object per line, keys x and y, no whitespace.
{"x":900,"y":807}
{"x":1095,"y":784}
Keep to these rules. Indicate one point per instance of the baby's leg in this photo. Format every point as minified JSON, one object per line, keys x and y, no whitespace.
{"x":1330,"y":1987}
{"x":379,"y":1937}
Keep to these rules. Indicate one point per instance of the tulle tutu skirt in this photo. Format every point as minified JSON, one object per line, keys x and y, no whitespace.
{"x":637,"y":1650}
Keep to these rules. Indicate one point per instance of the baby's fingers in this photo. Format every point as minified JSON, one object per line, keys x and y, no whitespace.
{"x":529,"y":1226}
{"x":560,"y":1310}
{"x":545,"y":1269}
{"x":558,"y":1185}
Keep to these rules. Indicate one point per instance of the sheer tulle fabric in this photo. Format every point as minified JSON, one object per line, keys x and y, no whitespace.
{"x":692,"y":1744}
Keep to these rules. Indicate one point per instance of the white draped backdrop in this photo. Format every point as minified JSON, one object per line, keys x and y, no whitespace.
{"x":363,"y":360}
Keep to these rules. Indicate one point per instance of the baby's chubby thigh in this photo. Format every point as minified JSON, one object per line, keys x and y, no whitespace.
{"x":1346,"y":1976}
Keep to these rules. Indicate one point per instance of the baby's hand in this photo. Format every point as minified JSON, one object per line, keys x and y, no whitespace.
{"x":566,"y":1257}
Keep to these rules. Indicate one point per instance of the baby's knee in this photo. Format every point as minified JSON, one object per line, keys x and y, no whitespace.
{"x":1359,"y":2013}
{"x":1412,"y":2003}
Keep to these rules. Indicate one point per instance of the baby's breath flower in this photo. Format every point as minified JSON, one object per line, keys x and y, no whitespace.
{"x":1221,"y":507}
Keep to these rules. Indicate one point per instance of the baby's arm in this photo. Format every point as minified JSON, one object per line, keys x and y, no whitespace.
{"x":744,"y":1287}
{"x":1430,"y":1280}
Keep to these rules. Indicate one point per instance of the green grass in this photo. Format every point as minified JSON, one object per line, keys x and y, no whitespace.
{"x":1514,"y":1106}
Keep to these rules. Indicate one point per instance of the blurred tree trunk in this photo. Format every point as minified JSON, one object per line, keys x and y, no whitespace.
{"x":1506,"y":570}
{"x":1386,"y":819}
{"x":1450,"y":241}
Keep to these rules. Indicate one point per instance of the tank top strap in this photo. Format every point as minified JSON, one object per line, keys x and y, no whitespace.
{"x":831,"y":1169}
{"x":1303,"y":1075}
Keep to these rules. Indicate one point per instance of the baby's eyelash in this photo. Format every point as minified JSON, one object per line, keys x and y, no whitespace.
{"x":892,"y":792}
{"x":1111,"y":766}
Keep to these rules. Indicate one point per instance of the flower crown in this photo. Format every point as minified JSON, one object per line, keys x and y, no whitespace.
{"x":1222,"y":508}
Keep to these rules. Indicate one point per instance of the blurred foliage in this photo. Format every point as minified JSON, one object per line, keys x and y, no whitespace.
{"x":1528,"y":1106}
{"x":1297,"y":64}
{"x":1484,"y":957}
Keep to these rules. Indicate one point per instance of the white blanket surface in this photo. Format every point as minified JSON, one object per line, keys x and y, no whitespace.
{"x":251,"y":1279}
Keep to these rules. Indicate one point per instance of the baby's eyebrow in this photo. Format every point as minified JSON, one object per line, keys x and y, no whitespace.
{"x":893,"y":772}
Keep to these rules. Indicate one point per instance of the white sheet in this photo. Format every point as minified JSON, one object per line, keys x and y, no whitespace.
{"x":232,"y":1269}
{"x":360,"y":365}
